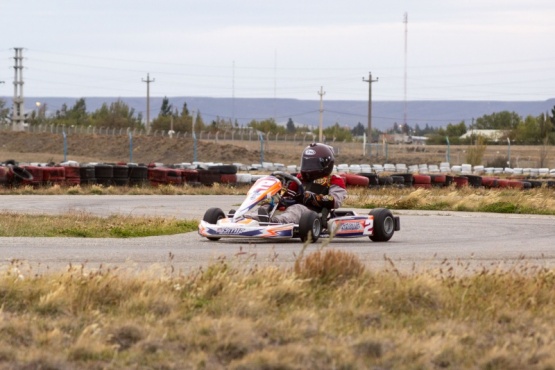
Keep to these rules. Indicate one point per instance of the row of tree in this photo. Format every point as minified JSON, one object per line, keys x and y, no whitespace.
{"x":529,"y":130}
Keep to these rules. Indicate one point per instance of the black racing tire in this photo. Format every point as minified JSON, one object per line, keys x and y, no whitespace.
{"x":212,"y":215}
{"x":138,"y":172}
{"x":226,"y":169}
{"x":474,"y":180}
{"x":384,"y":225}
{"x":310,"y":227}
{"x":121,"y":171}
{"x":105,"y":171}
{"x":385,"y":180}
{"x":398,"y":180}
{"x":20,"y":174}
{"x":372,"y":178}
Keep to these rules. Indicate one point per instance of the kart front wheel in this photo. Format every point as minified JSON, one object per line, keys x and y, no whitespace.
{"x":384,"y":225}
{"x":212,"y":215}
{"x":310,"y":227}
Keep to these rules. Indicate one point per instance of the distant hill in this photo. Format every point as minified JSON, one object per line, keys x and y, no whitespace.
{"x":306,"y":112}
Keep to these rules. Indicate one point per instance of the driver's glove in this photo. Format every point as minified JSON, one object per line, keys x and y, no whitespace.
{"x":318,"y":200}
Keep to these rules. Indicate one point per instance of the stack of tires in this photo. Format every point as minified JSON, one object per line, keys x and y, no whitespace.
{"x":87,"y":175}
{"x":72,"y":176}
{"x":37,"y":176}
{"x":164,"y":176}
{"x":226,"y":174}
{"x":53,"y":175}
{"x":3,"y":175}
{"x":120,"y":175}
{"x":137,"y":175}
{"x":104,"y":174}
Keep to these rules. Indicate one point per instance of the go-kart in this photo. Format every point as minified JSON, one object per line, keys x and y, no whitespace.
{"x":273,"y":192}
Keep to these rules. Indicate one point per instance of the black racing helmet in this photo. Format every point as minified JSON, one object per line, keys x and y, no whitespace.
{"x":317,"y":161}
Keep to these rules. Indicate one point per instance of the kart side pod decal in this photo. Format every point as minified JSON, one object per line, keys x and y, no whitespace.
{"x":358,"y":226}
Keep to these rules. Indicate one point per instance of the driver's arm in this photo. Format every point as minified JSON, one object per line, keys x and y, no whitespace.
{"x":333,"y":200}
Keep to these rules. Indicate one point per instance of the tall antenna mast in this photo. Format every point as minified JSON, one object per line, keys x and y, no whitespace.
{"x":233,"y":94}
{"x":148,"y":82}
{"x":406,"y":21}
{"x":18,"y":114}
{"x":275,"y":83}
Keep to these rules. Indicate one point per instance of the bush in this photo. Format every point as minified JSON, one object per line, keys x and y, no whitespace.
{"x":330,"y":266}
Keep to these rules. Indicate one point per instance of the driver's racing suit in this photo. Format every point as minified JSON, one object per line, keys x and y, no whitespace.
{"x":326,"y":192}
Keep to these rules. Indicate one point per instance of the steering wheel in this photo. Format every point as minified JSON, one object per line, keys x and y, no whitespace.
{"x":286,"y":179}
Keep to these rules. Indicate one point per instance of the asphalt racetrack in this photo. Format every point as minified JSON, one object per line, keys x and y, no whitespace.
{"x":454,"y":242}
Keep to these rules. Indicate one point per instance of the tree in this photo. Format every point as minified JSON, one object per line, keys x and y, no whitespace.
{"x":358,"y":130}
{"x":166,"y":108}
{"x":504,"y":120}
{"x":76,"y":115}
{"x":290,"y":126}
{"x":117,"y":115}
{"x":4,"y":112}
{"x":337,"y":133}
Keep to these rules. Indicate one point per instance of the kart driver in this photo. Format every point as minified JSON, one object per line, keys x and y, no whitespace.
{"x":322,"y":188}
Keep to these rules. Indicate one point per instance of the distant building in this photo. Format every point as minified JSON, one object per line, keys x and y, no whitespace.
{"x":493,"y":135}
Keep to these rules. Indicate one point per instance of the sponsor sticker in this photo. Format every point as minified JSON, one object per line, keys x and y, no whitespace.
{"x":230,"y":231}
{"x":350,"y":226}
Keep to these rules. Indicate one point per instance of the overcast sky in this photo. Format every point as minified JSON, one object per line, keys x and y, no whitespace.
{"x":456,"y":50}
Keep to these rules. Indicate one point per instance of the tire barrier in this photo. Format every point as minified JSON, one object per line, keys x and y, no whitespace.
{"x":373,"y":180}
{"x":17,"y":176}
{"x":190,"y":176}
{"x":3,"y":175}
{"x":460,"y":181}
{"x":121,"y":174}
{"x":104,"y":174}
{"x":164,"y":176}
{"x":37,"y":173}
{"x":356,"y":180}
{"x":54,"y":175}
{"x":138,"y":175}
{"x":438,"y":180}
{"x":73,"y":176}
{"x":87,"y":175}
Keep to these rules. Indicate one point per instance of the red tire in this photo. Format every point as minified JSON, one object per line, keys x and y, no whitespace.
{"x":53,"y":175}
{"x":421,"y":179}
{"x":226,"y":178}
{"x":438,"y":179}
{"x":460,"y":181}
{"x":356,"y":180}
{"x":37,"y":173}
{"x":502,"y":183}
{"x":489,"y":182}
{"x":3,"y":175}
{"x":515,"y":184}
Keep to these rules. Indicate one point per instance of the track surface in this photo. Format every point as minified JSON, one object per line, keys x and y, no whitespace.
{"x":453,"y":241}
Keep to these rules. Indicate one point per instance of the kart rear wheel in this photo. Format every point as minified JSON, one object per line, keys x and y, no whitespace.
{"x":310,"y":227}
{"x":212,"y":215}
{"x":384,"y":225}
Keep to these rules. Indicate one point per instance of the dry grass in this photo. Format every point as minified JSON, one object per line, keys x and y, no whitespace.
{"x":84,"y":225}
{"x":468,"y":199}
{"x":325,"y":313}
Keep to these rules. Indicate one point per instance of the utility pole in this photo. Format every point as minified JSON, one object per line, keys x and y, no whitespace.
{"x":321,"y":93}
{"x":18,"y":114}
{"x":148,"y":81}
{"x":370,"y":81}
{"x":405,"y":21}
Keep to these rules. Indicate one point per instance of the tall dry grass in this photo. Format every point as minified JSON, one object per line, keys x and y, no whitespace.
{"x":325,"y":313}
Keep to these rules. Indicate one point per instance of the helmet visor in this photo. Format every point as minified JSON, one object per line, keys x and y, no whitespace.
{"x":311,"y":164}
